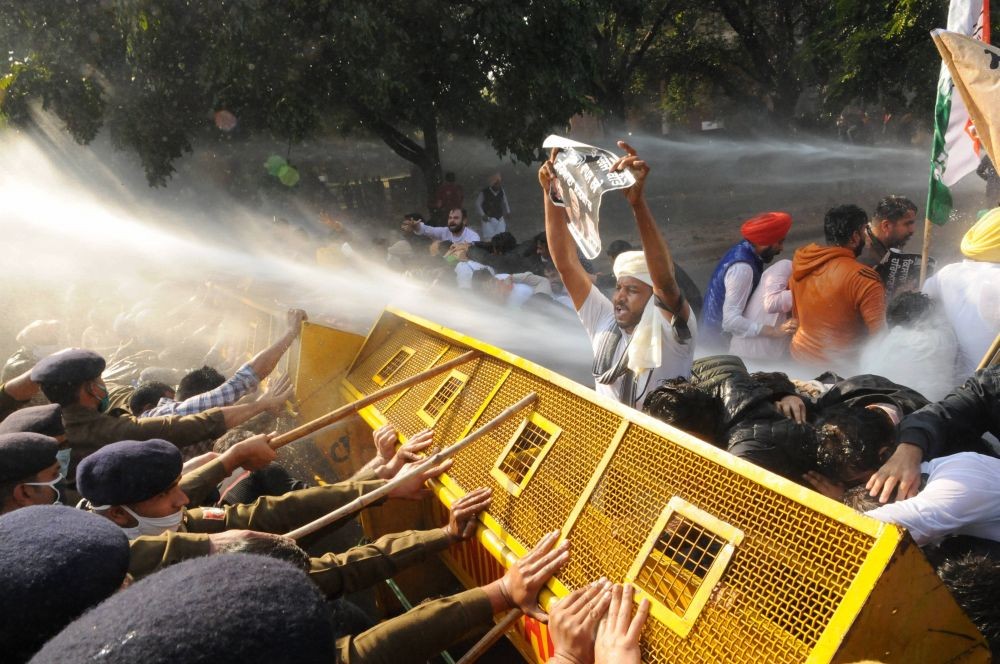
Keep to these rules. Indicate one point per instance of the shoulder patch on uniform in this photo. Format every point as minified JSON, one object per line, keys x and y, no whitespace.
{"x":213,"y":513}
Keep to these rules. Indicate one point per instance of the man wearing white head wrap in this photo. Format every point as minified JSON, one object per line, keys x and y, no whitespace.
{"x":645,"y":333}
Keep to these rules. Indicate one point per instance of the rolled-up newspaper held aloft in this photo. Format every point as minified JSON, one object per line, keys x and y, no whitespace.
{"x":583,"y":174}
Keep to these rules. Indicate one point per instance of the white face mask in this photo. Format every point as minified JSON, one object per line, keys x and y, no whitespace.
{"x":151,"y":526}
{"x":51,"y":485}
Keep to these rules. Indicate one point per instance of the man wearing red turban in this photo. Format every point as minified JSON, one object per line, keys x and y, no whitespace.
{"x":735,"y":278}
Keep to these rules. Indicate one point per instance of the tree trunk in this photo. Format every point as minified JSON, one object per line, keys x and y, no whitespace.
{"x":432,"y":163}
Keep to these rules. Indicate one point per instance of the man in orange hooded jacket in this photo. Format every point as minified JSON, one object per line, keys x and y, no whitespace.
{"x":837,"y":300}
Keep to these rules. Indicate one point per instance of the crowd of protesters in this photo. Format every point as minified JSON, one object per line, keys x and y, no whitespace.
{"x":181,"y":500}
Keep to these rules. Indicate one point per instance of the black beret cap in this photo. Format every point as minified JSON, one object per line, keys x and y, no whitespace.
{"x":23,"y":454}
{"x":72,"y":366}
{"x":46,"y":420}
{"x":55,"y":563}
{"x":128,"y":472}
{"x":233,"y":608}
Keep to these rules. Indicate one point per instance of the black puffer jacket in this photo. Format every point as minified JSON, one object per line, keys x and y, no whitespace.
{"x":752,"y":428}
{"x":957,"y":422}
{"x":868,"y":389}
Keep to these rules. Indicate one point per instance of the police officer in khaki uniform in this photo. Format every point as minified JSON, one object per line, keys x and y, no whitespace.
{"x":138,"y":485}
{"x":258,"y":610}
{"x":72,"y":379}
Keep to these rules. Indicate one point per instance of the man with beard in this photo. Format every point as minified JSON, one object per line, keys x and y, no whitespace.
{"x":457,"y":231}
{"x":891,"y":227}
{"x":737,"y":275}
{"x":836,"y":299}
{"x":645,"y":333}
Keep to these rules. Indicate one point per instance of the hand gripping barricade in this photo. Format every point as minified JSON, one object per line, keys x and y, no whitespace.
{"x":740,"y":565}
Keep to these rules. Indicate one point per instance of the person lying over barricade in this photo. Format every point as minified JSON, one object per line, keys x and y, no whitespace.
{"x":954,"y":424}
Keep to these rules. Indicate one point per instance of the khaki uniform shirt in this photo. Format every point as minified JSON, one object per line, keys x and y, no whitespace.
{"x":88,"y":430}
{"x":268,"y":514}
{"x":421,"y":633}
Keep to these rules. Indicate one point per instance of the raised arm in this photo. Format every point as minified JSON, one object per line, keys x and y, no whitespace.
{"x":264,"y":362}
{"x":562,"y":248}
{"x":658,"y":258}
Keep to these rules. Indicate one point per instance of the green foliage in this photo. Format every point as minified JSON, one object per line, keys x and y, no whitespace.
{"x":155,"y":73}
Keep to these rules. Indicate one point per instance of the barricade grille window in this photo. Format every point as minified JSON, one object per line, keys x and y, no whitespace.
{"x":522,"y":455}
{"x":441,"y":398}
{"x":393,"y":365}
{"x":678,"y":563}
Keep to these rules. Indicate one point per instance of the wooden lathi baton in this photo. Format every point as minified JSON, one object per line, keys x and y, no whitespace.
{"x":989,"y":358}
{"x":349,"y":409}
{"x":492,"y":636}
{"x":364,"y":501}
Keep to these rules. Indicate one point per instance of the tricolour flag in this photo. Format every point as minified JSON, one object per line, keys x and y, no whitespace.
{"x":975,"y":70}
{"x":956,"y":150}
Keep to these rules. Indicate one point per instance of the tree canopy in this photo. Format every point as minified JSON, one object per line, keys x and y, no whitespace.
{"x":156,"y":74}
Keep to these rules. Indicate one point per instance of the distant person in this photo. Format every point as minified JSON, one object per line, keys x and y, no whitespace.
{"x":837,"y":300}
{"x":890,"y":227}
{"x":512,"y":290}
{"x":192,"y":397}
{"x":493,"y":207}
{"x":448,"y":196}
{"x":969,"y":293}
{"x":457,"y":230}
{"x":645,"y":334}
{"x":917,"y":348}
{"x":770,"y":307}
{"x":29,"y":471}
{"x":736,"y":276}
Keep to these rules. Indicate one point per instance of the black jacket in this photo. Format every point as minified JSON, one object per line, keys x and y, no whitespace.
{"x":957,"y":422}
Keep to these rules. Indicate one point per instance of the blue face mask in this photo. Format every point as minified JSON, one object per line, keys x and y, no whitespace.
{"x":105,"y":402}
{"x":63,"y":457}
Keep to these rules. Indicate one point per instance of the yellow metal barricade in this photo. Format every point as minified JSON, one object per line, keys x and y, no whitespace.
{"x":740,"y":565}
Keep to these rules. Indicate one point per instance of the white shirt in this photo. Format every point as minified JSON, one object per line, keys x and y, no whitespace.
{"x":739,"y":284}
{"x":464,"y":270}
{"x":970,"y":294}
{"x":444,"y":233}
{"x":769,"y":304}
{"x":597,"y":314}
{"x":962,"y":497}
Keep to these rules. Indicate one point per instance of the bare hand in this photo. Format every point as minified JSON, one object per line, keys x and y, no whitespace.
{"x":547,"y":172}
{"x":902,"y":469}
{"x":464,"y":513}
{"x":525,"y":578}
{"x":790,"y":326}
{"x":278,"y":393}
{"x":618,"y":634}
{"x":253,"y":453}
{"x":295,"y":319}
{"x":391,"y":460}
{"x":824,"y":485}
{"x":412,"y":488}
{"x":409,"y":225}
{"x":639,"y":168}
{"x":792,"y":407}
{"x":573,"y":622}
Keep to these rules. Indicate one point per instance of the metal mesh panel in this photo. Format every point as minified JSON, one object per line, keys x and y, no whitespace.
{"x":781,"y":586}
{"x":426,"y":348}
{"x":549,"y":497}
{"x":527,"y":447}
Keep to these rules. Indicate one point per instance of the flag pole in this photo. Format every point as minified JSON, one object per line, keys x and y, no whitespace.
{"x":925,"y":251}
